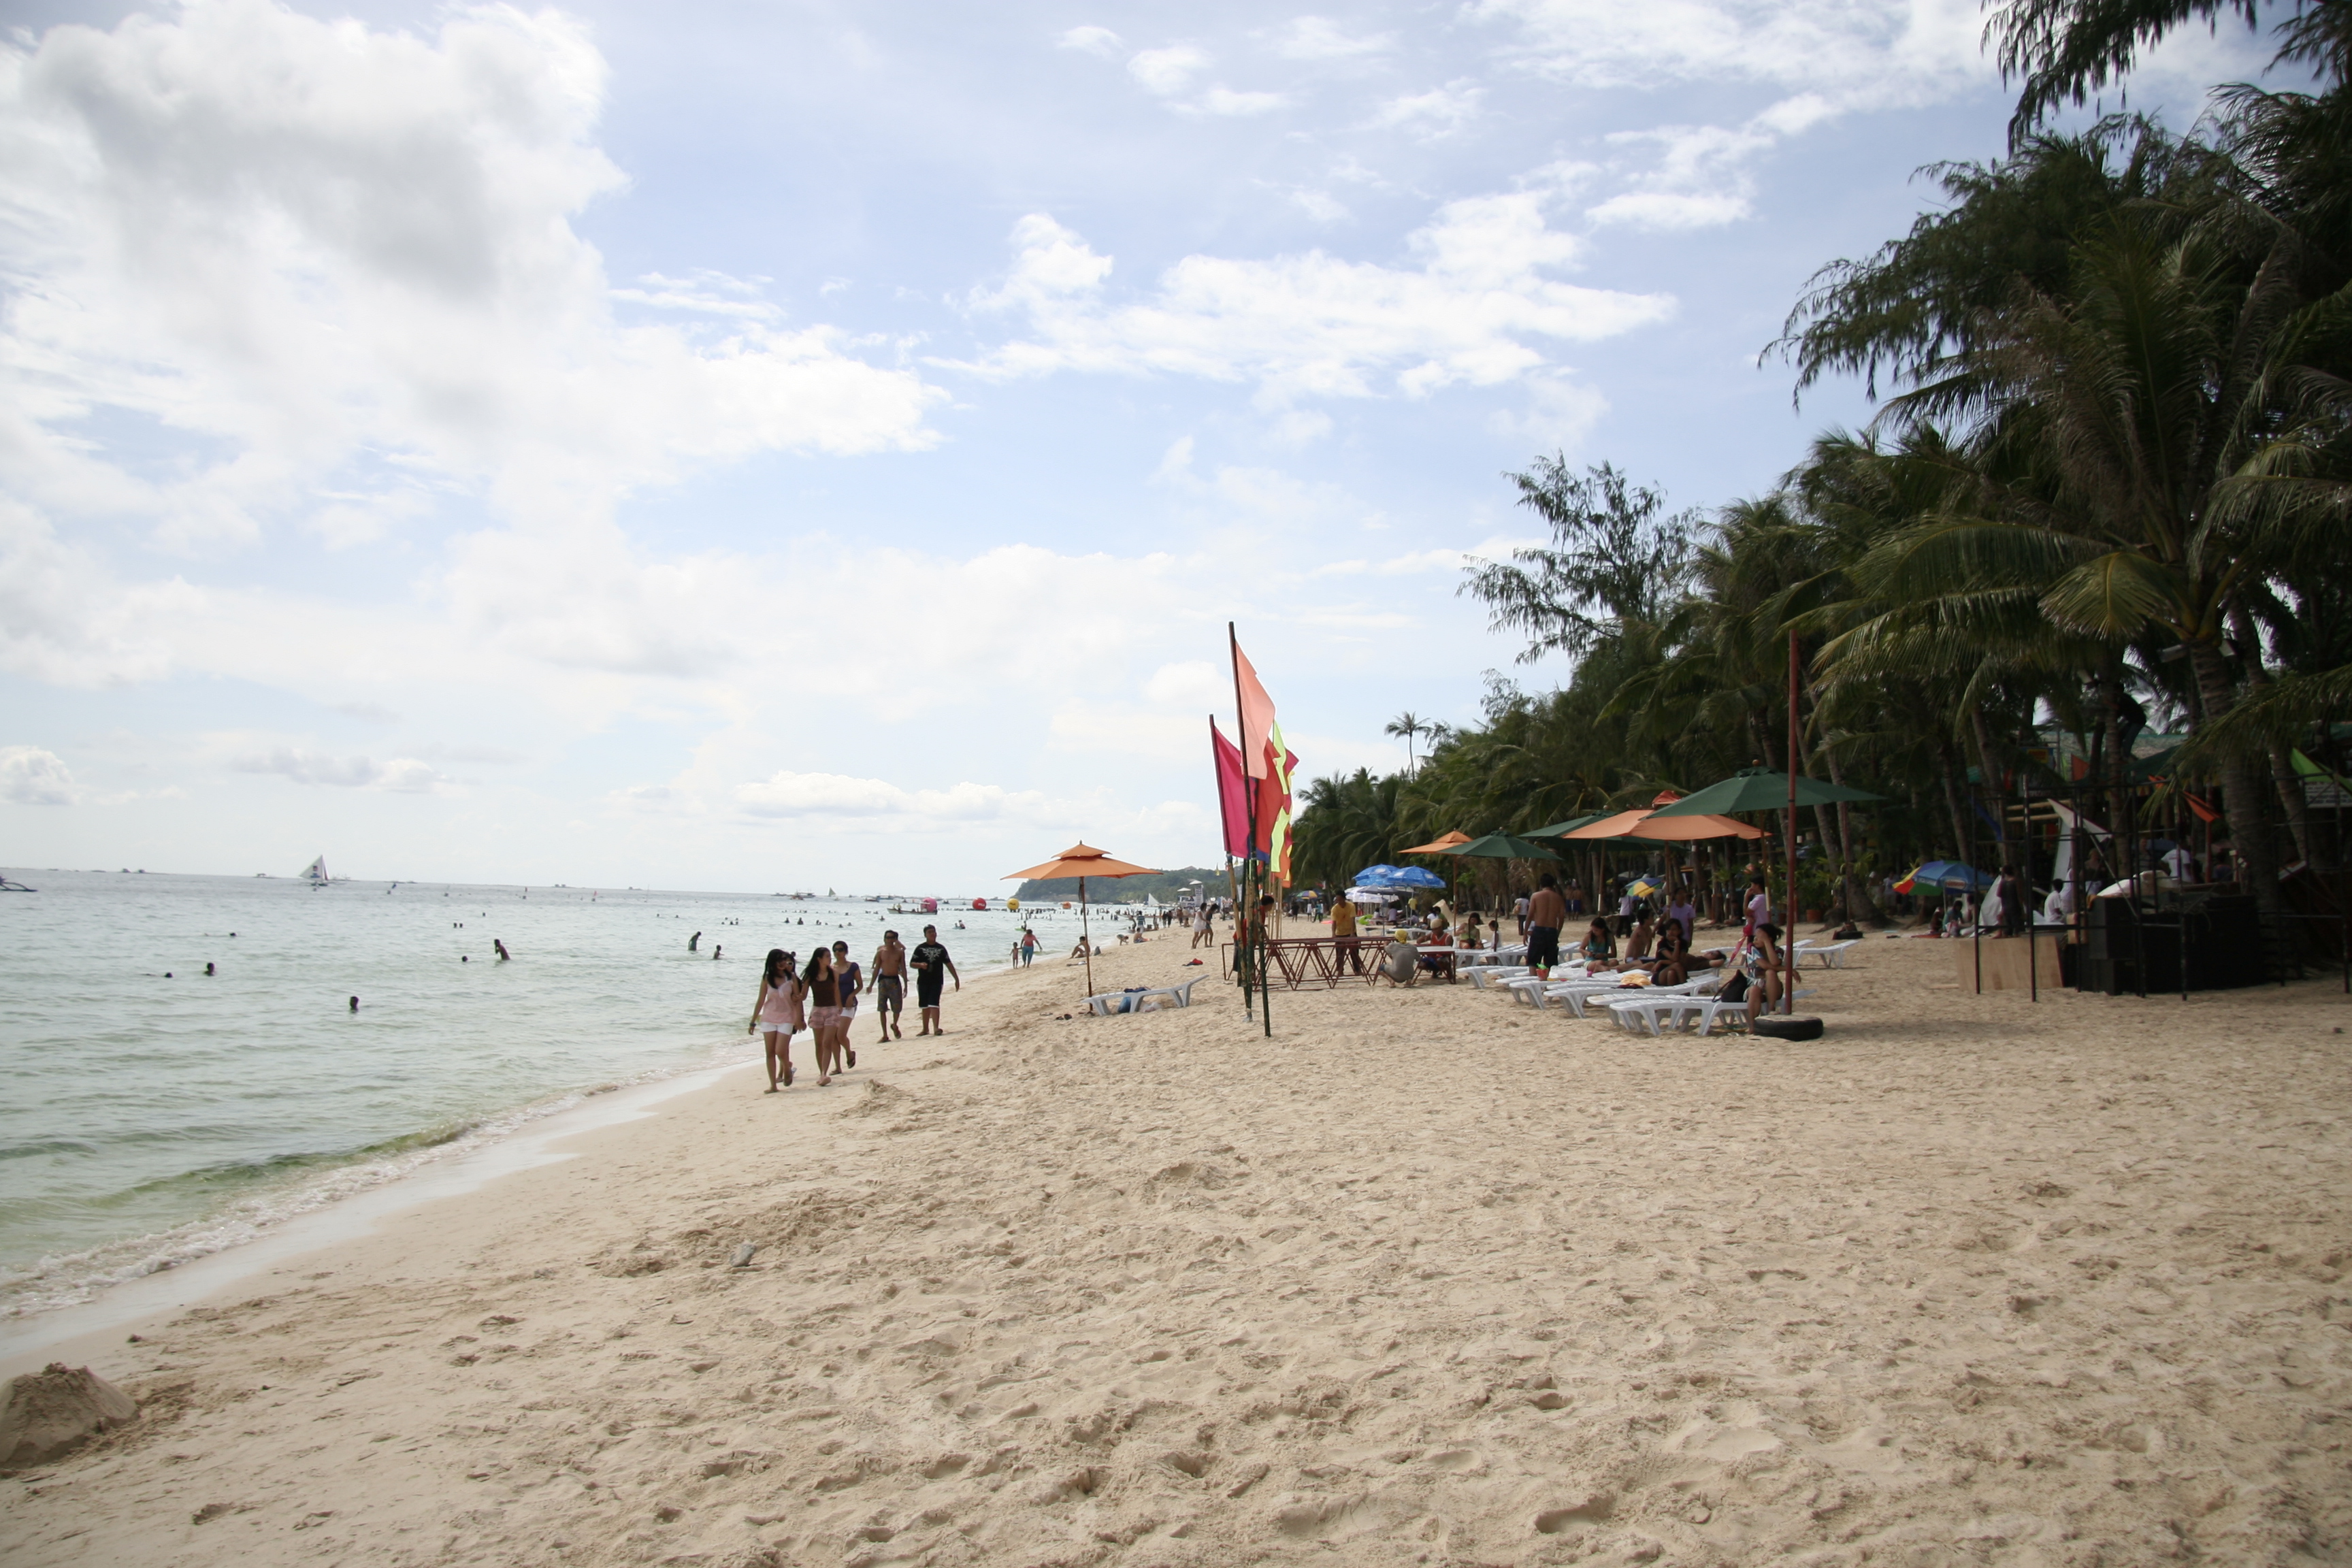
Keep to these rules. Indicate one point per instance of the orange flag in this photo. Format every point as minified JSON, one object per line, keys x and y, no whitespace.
{"x":1257,"y":713}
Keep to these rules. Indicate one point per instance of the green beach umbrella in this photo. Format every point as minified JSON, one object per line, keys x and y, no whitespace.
{"x":1759,"y":789}
{"x":1502,"y":847}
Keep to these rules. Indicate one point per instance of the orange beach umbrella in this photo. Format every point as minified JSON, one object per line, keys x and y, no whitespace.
{"x":1437,"y":846}
{"x":1081,"y":860}
{"x":1655,"y":824}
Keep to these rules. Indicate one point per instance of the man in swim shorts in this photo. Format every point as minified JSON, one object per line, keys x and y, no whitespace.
{"x":1547,"y":912}
{"x":932,"y":965}
{"x":889,"y":984}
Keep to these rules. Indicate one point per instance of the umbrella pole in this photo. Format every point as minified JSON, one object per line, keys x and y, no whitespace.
{"x":1086,"y":936}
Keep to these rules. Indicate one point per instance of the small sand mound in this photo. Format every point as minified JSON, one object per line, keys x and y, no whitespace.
{"x":46,"y":1414}
{"x":880,"y":1100}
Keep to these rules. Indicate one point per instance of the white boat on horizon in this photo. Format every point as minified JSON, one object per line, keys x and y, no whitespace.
{"x":315,"y":873}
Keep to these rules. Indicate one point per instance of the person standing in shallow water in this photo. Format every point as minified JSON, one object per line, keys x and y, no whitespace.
{"x":777,"y":1014}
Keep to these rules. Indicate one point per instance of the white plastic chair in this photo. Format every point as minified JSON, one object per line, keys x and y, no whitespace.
{"x":1832,"y":954}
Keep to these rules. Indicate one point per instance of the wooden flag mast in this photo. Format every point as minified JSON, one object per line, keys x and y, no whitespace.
{"x":1788,"y":919}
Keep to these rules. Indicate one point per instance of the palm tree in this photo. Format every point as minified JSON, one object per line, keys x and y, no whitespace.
{"x":1408,"y":724}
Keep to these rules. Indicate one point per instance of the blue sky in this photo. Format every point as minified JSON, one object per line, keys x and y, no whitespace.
{"x":764,"y":447}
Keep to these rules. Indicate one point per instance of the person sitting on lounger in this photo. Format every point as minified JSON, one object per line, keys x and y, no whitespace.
{"x":1765,"y":979}
{"x":1673,"y":962}
{"x":1599,"y":948}
{"x":1638,"y":942}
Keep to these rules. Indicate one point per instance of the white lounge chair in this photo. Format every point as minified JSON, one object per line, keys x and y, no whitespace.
{"x":1832,"y":954}
{"x":1705,"y":1010}
{"x":1163,"y":995}
{"x":1627,"y":1006}
{"x":1527,"y":988}
{"x":1111,"y":1002}
{"x":1486,"y":975}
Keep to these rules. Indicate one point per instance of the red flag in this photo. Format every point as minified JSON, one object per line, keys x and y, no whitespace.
{"x":1233,"y":792}
{"x":1257,"y":714}
{"x":2204,"y":812}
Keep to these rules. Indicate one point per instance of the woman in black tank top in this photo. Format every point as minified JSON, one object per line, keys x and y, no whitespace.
{"x":825,"y":1012}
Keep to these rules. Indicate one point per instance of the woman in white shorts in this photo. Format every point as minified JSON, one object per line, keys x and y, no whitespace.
{"x":777,"y":1013}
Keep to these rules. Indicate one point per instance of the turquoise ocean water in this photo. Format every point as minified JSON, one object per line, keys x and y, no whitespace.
{"x":148,"y":1121}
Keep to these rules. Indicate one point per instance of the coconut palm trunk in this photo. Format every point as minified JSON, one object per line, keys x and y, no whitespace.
{"x":2244,"y":785}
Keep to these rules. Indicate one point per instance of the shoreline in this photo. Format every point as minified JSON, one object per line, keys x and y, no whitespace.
{"x":256,"y":1206}
{"x":1429,"y":1277}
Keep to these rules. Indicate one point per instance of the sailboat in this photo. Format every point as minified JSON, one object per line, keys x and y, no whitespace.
{"x":315,"y":873}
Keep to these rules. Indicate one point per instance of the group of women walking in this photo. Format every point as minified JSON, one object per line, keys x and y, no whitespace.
{"x":821,"y":999}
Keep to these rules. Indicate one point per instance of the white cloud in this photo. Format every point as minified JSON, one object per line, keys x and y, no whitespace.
{"x":1320,"y":39}
{"x":878,"y":801}
{"x":1319,"y":205}
{"x":1700,"y":178}
{"x":1865,"y":52}
{"x":1226,"y":102}
{"x":32,"y":776}
{"x":1169,"y":70}
{"x":710,"y":293}
{"x":1090,"y":39}
{"x":1559,"y":412}
{"x":1471,"y":311}
{"x":1176,"y":463}
{"x":1299,"y":426}
{"x":404,"y":775}
{"x":1440,"y":112}
{"x":1668,"y":210}
{"x":1192,"y":684}
{"x":288,"y":242}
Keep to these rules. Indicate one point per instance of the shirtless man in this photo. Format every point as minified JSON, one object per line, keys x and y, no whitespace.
{"x":1547,"y":912}
{"x":889,"y":984}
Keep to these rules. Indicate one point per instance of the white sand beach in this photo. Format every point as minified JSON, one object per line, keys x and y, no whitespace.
{"x":1426,"y":1279}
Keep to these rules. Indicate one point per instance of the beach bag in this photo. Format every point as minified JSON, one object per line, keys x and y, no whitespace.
{"x":1734,"y":989}
{"x":1773,"y":1028}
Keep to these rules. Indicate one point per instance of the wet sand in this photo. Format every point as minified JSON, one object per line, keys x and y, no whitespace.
{"x":1427,"y":1278}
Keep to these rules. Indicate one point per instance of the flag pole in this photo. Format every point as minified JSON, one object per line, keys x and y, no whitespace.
{"x":1251,"y":876}
{"x":1788,"y":931}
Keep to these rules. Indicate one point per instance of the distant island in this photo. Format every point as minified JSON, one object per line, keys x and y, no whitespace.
{"x":1168,"y":887}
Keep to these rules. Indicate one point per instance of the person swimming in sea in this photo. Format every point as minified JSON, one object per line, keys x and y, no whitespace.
{"x":503,"y":953}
